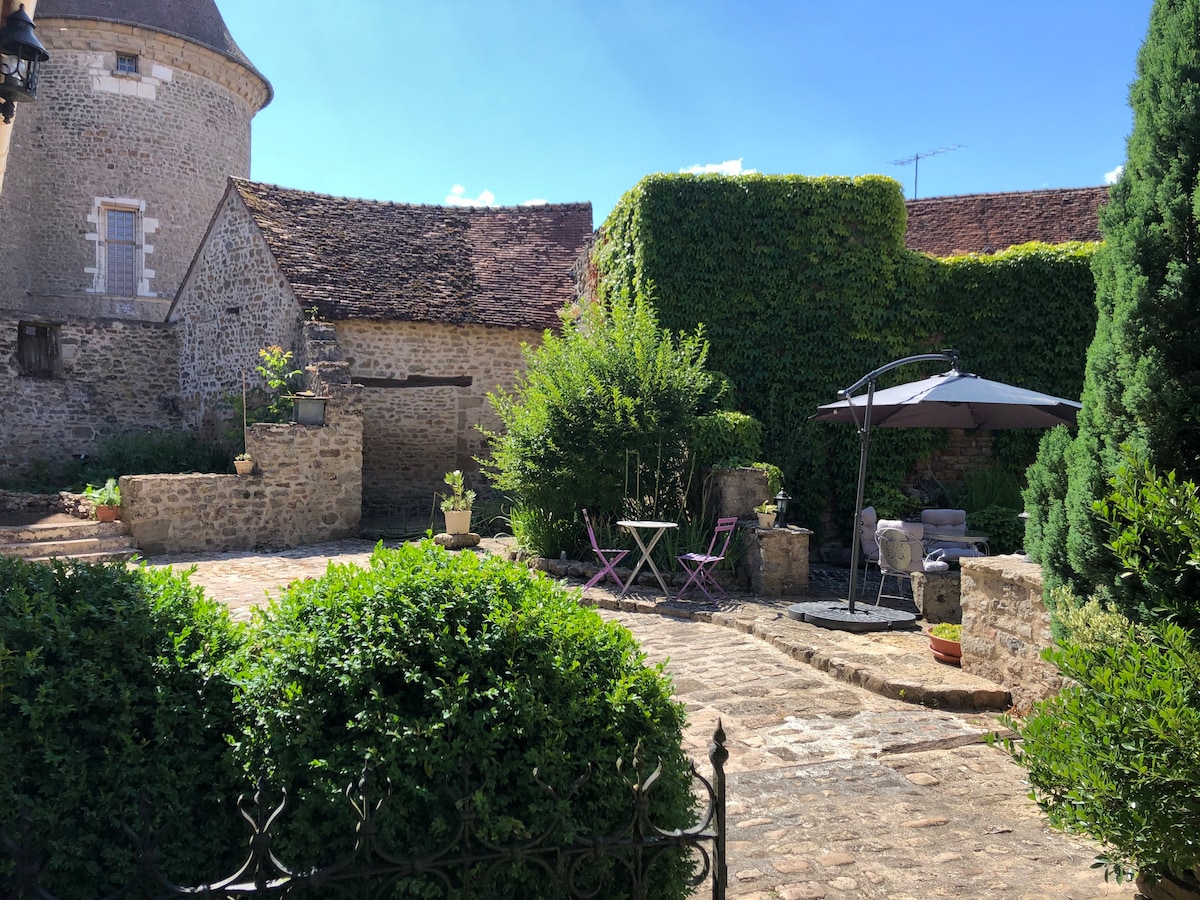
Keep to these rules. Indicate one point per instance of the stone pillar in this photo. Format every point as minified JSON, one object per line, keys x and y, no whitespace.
{"x":938,"y":596}
{"x":1006,"y":626}
{"x":776,"y":560}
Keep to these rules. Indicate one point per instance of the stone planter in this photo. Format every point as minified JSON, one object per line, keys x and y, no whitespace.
{"x":766,"y":520}
{"x":949,"y":652}
{"x":458,"y":521}
{"x":308,"y":410}
{"x":244,"y":466}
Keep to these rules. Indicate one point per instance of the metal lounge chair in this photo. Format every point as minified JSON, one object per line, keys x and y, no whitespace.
{"x":608,"y":556}
{"x":699,"y":566}
{"x":900,"y":554}
{"x":947,"y":523}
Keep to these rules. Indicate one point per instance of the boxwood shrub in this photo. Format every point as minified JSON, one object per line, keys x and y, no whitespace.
{"x":110,"y":685}
{"x":456,"y":677}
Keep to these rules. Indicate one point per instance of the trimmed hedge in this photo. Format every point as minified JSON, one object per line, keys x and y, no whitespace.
{"x":456,"y":676}
{"x":111,"y":684}
{"x":803,"y":285}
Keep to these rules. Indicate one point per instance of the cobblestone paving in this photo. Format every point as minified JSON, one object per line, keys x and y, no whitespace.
{"x":834,"y":791}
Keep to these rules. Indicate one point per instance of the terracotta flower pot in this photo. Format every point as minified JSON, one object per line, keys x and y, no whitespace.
{"x":766,"y":520}
{"x":244,"y":466}
{"x":107,"y":513}
{"x":946,"y":651}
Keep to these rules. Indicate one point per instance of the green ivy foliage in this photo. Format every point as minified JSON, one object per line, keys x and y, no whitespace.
{"x":803,"y":285}
{"x":111,"y":684}
{"x":457,"y":676}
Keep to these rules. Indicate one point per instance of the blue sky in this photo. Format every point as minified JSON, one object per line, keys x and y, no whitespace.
{"x":512,"y":101}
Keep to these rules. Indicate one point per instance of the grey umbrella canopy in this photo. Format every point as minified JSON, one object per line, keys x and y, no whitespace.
{"x":953,"y":399}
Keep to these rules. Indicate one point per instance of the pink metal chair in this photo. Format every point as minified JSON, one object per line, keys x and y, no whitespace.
{"x":699,"y":566}
{"x":608,"y":557}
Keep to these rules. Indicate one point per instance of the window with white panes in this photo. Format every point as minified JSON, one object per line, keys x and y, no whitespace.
{"x":120,"y":252}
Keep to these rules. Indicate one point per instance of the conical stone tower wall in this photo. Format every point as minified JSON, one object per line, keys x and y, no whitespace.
{"x":143,"y":112}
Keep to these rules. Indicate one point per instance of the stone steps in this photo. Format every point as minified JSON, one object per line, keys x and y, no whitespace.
{"x":85,"y":541}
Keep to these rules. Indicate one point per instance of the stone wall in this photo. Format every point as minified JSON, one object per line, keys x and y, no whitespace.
{"x":307,"y":488}
{"x":416,"y":426}
{"x":776,"y":560}
{"x":117,"y":377}
{"x":1006,"y":626}
{"x":169,"y":136}
{"x":965,"y":451}
{"x":234,"y":302}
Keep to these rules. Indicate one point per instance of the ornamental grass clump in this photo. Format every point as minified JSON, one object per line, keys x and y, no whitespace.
{"x":454,"y":677}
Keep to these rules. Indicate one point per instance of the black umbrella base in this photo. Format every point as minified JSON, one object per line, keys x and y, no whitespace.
{"x":836,"y":614}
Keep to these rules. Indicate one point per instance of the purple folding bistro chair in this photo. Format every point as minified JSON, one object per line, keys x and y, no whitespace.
{"x":699,"y":566}
{"x":608,"y":557}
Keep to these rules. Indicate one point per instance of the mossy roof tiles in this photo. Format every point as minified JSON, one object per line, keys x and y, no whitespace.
{"x":988,"y":223}
{"x":366,"y":259}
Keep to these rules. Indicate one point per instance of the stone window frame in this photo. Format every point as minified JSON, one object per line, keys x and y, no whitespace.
{"x":39,"y":350}
{"x":144,"y":228}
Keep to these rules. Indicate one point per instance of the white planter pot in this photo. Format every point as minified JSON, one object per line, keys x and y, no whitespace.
{"x":458,"y":521}
{"x":766,"y":520}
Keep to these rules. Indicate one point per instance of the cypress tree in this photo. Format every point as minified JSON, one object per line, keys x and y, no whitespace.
{"x":1142,"y":380}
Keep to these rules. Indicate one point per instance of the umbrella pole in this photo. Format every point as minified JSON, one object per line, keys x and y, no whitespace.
{"x":856,"y":543}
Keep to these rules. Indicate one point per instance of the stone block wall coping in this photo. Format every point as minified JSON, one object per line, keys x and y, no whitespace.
{"x":1013,"y":568}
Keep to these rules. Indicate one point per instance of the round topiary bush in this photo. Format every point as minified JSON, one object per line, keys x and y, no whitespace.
{"x":109,"y":686}
{"x":455,"y":677}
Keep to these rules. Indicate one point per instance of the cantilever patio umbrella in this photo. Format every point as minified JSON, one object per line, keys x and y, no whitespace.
{"x":953,"y":399}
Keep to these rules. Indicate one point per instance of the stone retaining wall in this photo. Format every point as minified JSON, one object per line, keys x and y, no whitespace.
{"x":1006,"y":626}
{"x":307,"y":488}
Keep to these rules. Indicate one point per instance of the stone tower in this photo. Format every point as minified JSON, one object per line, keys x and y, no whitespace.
{"x":143,"y":112}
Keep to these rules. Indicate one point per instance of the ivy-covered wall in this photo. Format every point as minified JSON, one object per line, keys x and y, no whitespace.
{"x":804,"y":284}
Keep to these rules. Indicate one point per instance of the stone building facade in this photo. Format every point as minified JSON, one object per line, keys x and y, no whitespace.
{"x":143,"y":113}
{"x":426,"y":307}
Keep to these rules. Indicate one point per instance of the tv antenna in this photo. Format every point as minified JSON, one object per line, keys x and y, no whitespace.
{"x":916,"y":158}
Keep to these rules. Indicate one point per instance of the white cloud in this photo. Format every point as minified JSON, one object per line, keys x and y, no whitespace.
{"x":729,"y":167}
{"x":458,"y":197}
{"x":1111,"y":177}
{"x":538,"y":202}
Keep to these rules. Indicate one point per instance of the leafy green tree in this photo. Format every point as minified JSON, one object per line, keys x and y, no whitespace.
{"x":601,"y":419}
{"x":1140,"y":384}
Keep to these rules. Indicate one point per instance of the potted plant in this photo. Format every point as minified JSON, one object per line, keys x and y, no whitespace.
{"x":944,"y":641}
{"x":244,"y":464}
{"x":106,"y":501}
{"x":766,"y":514}
{"x":457,"y":504}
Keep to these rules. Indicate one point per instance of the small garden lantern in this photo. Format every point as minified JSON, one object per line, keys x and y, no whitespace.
{"x":21,"y":53}
{"x":781,"y":502}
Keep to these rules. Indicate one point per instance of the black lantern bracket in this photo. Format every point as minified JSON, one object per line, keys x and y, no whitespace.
{"x":21,"y":54}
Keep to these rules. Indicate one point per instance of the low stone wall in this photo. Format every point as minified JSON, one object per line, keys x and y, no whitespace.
{"x":735,"y":492}
{"x":307,"y":488}
{"x":1006,"y":626}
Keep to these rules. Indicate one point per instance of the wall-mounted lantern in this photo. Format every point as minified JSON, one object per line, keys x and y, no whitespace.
{"x":21,"y":53}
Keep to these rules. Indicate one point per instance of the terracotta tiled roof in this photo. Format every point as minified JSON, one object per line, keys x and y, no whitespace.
{"x":196,"y":20}
{"x":362,"y":259}
{"x":986,"y":223}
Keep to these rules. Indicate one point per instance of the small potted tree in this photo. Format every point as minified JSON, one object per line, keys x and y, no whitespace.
{"x":106,"y":501}
{"x":766,"y":514}
{"x":456,"y":505}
